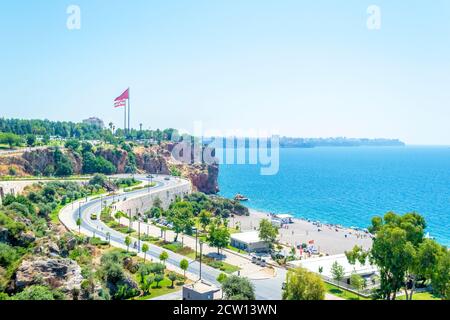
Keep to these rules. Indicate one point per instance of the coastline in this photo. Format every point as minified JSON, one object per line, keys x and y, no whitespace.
{"x":330,"y":240}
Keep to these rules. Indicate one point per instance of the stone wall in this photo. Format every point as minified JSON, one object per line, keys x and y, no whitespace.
{"x":145,"y":202}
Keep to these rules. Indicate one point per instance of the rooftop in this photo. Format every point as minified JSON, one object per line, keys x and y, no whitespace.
{"x":247,"y":237}
{"x":327,"y":261}
{"x":202,"y":287}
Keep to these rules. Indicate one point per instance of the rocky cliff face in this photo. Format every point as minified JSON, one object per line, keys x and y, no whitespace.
{"x":60,"y":273}
{"x":155,"y":160}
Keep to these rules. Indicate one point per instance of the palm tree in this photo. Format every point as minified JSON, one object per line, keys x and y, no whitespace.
{"x":127,"y":242}
{"x":145,"y":248}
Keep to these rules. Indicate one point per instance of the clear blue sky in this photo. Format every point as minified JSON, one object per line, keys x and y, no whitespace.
{"x":302,"y":68}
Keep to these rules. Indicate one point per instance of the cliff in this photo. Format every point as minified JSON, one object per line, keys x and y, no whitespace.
{"x":151,"y":160}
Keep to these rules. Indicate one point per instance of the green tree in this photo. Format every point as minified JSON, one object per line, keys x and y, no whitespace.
{"x":127,"y":242}
{"x":237,"y":288}
{"x":267,"y":232}
{"x":204,"y":218}
{"x":163,"y":256}
{"x":357,"y":282}
{"x":222,"y":277}
{"x":158,"y":278}
{"x":337,"y":271}
{"x":303,"y":285}
{"x":184,"y":265}
{"x":79,"y":225}
{"x":182,"y":218}
{"x":172,"y":277}
{"x":395,"y":251}
{"x":440,"y":278}
{"x":146,"y":283}
{"x":218,"y":236}
{"x":31,"y":140}
{"x":145,"y":249}
{"x":10,"y":139}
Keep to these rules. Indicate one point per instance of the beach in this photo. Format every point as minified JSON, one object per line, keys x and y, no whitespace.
{"x":330,"y":240}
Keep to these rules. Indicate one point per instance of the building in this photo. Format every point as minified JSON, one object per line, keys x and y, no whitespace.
{"x":249,"y":241}
{"x":325,"y":263}
{"x":93,"y":121}
{"x":201,"y":290}
{"x":284,"y":218}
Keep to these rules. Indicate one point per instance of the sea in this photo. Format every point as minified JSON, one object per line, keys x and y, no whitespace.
{"x":350,"y":185}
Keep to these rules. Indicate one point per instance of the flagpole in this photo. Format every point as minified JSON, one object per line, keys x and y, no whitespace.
{"x":129,"y":110}
{"x":125,"y":120}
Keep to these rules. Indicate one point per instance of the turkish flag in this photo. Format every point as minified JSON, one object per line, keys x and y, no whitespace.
{"x":124,"y":96}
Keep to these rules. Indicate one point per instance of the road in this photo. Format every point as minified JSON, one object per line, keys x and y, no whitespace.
{"x":265,"y":289}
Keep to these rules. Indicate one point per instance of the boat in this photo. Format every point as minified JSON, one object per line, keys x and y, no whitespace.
{"x":240,"y":197}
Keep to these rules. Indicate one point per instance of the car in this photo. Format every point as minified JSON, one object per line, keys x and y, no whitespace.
{"x":254,"y":259}
{"x":150,"y":176}
{"x":167,"y":178}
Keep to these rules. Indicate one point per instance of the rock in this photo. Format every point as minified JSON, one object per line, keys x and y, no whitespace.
{"x":71,"y":243}
{"x":4,"y":234}
{"x":58,"y":273}
{"x":26,"y":238}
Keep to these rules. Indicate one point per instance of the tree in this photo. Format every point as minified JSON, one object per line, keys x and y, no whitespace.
{"x":337,"y":271}
{"x":303,"y":285}
{"x":163,"y":256}
{"x":172,"y":277}
{"x":146,"y":283}
{"x":395,"y":251}
{"x":237,"y":288}
{"x":222,"y":277}
{"x":158,"y":278}
{"x":31,"y":140}
{"x":357,"y":282}
{"x":127,"y":242}
{"x":181,"y":216}
{"x":10,"y":139}
{"x":204,"y":218}
{"x":218,"y":236}
{"x":440,"y":279}
{"x":79,"y":225}
{"x":145,"y":249}
{"x":184,"y":265}
{"x":267,"y":232}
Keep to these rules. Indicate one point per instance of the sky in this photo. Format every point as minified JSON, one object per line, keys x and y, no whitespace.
{"x":292,"y":67}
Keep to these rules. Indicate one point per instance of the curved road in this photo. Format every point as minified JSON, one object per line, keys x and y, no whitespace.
{"x":269,"y":289}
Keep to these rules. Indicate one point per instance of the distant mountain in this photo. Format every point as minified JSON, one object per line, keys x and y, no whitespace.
{"x":286,"y":142}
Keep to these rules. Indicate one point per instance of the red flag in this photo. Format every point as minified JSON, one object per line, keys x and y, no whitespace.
{"x":123,"y":96}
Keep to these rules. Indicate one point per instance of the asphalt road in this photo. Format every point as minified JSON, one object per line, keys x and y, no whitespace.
{"x":267,"y":289}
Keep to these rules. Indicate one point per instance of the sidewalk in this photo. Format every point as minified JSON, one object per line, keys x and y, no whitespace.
{"x":248,"y":269}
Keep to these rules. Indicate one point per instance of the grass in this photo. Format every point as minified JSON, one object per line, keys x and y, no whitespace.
{"x":165,"y":287}
{"x":421,"y":296}
{"x":342,"y":293}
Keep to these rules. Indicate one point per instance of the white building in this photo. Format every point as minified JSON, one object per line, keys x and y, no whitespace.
{"x":93,"y":121}
{"x":325,"y":264}
{"x":248,"y":241}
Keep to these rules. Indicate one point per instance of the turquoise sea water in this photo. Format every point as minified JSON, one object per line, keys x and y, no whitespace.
{"x":349,"y":186}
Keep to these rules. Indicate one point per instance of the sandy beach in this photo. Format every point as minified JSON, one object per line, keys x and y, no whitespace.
{"x":330,"y":240}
